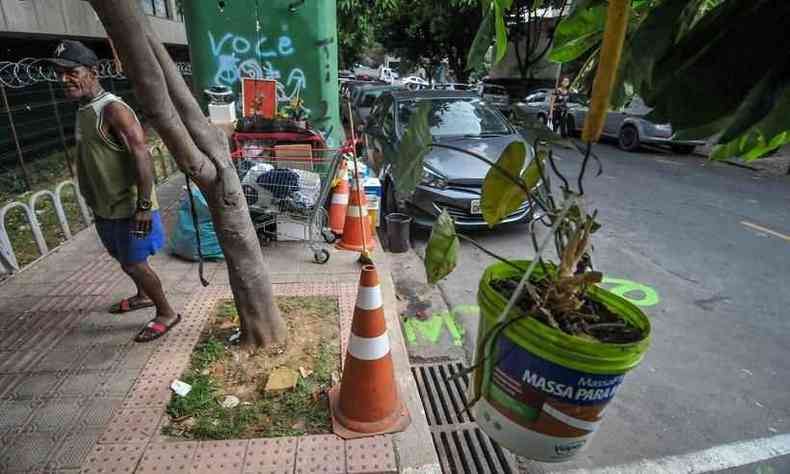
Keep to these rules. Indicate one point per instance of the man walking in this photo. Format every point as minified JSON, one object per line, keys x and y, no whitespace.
{"x":115,"y":175}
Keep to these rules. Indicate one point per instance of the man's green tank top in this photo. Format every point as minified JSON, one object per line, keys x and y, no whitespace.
{"x":105,"y":169}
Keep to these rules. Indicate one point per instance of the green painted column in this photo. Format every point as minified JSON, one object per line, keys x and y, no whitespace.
{"x":292,"y":41}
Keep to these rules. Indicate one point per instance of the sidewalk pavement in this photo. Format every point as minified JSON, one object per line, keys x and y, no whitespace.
{"x":78,"y":395}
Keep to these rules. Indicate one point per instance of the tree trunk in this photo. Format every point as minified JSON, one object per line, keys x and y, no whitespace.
{"x":201,"y":151}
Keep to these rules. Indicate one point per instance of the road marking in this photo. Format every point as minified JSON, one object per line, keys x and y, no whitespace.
{"x":766,"y":231}
{"x":637,"y":293}
{"x":708,"y":460}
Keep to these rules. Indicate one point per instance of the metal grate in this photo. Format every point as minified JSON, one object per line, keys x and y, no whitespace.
{"x":462,"y":446}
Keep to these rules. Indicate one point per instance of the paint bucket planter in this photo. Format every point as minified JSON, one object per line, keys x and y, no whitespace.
{"x":544,"y":392}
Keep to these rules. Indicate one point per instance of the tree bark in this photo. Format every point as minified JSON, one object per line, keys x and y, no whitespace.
{"x":201,"y":151}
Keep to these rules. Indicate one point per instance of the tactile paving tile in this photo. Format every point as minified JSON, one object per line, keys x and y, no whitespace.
{"x":75,"y":449}
{"x":172,"y":458}
{"x":113,"y":459}
{"x":102,"y":357}
{"x":370,"y":455}
{"x":15,"y":414}
{"x":97,"y":412}
{"x":28,"y":453}
{"x":117,"y":383}
{"x":54,"y":415}
{"x":213,"y":457}
{"x":80,"y":384}
{"x":132,"y":425}
{"x":321,"y":453}
{"x":34,"y":385}
{"x":271,"y":456}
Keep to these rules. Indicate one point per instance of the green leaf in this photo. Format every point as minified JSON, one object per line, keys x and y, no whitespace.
{"x":770,"y":133}
{"x":574,"y":48}
{"x":759,"y":103}
{"x":407,"y":167}
{"x":651,"y":41}
{"x":707,"y":75}
{"x":441,"y":254}
{"x":500,"y":196}
{"x":501,"y":32}
{"x":481,"y":43}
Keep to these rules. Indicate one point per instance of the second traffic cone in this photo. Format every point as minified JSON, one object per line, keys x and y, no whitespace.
{"x":357,"y":232}
{"x":338,"y":207}
{"x":367,"y":401}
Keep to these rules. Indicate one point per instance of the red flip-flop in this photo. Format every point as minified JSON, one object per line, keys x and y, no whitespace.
{"x":125,"y":305}
{"x":154,"y":330}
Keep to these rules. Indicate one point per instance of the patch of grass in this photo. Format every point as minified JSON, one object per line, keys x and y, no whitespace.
{"x":216,"y":371}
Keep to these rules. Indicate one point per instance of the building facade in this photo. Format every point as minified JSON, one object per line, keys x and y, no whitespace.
{"x":40,"y":19}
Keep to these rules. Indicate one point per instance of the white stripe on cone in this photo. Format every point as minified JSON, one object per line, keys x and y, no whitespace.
{"x":356,"y":211}
{"x":339,"y":198}
{"x":368,"y":348}
{"x":369,"y":298}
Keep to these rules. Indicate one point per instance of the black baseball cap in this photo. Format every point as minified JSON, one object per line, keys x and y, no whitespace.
{"x":70,"y":54}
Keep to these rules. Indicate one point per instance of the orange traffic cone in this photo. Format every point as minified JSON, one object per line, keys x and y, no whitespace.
{"x":357,"y":232}
{"x":337,"y":209}
{"x":367,"y":402}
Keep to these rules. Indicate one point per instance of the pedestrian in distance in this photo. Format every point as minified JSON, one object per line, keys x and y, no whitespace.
{"x":558,"y":106}
{"x":116,"y":178}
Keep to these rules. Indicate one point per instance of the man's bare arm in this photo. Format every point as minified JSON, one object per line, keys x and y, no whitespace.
{"x":123,"y":125}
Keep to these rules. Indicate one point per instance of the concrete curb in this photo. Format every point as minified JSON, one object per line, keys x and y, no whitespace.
{"x":413,"y":447}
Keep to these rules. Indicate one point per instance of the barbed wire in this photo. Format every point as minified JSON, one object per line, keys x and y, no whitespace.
{"x":29,"y":71}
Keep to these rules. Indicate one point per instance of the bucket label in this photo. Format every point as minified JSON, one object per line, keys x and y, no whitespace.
{"x":548,"y":398}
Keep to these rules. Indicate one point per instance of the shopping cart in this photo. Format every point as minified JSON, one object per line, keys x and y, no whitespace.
{"x":286,"y":178}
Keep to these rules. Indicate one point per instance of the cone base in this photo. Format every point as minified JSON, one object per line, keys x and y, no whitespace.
{"x":346,"y":428}
{"x":356,"y":248}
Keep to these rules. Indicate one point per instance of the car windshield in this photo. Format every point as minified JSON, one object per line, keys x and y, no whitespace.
{"x":369,"y":98}
{"x":455,"y":117}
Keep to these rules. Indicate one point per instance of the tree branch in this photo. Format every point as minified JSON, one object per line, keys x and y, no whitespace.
{"x":124,"y":22}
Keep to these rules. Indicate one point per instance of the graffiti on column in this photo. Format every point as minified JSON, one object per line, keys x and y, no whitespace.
{"x":238,"y":56}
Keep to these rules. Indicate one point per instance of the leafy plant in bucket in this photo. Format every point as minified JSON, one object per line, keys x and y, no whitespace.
{"x":558,"y":298}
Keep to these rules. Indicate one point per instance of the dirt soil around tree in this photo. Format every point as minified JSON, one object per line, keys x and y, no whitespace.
{"x":229,"y":398}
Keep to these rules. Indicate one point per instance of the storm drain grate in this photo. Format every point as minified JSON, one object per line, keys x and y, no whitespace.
{"x":462,"y":446}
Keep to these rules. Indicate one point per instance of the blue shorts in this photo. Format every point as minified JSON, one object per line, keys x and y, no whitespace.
{"x":123,"y":246}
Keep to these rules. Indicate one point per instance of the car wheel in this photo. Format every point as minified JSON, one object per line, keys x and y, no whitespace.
{"x":542,"y":119}
{"x":629,"y":138}
{"x":683,"y":149}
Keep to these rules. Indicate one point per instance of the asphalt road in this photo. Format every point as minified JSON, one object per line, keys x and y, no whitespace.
{"x":713,"y":241}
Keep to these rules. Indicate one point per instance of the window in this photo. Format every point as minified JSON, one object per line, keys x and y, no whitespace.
{"x":456,"y":117}
{"x":536,"y":98}
{"x":158,"y":8}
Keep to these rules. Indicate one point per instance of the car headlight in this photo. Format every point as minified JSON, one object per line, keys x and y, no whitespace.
{"x":433,"y":179}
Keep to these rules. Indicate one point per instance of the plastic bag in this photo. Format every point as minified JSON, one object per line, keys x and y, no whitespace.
{"x":183,"y":242}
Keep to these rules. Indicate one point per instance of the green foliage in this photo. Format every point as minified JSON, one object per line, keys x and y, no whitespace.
{"x":501,"y":194}
{"x":426,"y":33}
{"x":482,"y":42}
{"x":407,"y":167}
{"x":578,"y":33}
{"x":701,"y":65}
{"x":441,"y":253}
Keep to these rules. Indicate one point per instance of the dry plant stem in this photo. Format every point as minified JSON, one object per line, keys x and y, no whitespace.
{"x":201,"y":151}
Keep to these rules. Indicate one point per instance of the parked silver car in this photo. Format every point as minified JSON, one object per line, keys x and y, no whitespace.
{"x":451,"y":179}
{"x":536,"y":105}
{"x":496,"y":96}
{"x":631,"y":129}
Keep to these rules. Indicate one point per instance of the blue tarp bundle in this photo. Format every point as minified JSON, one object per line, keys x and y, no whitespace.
{"x":183,"y":242}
